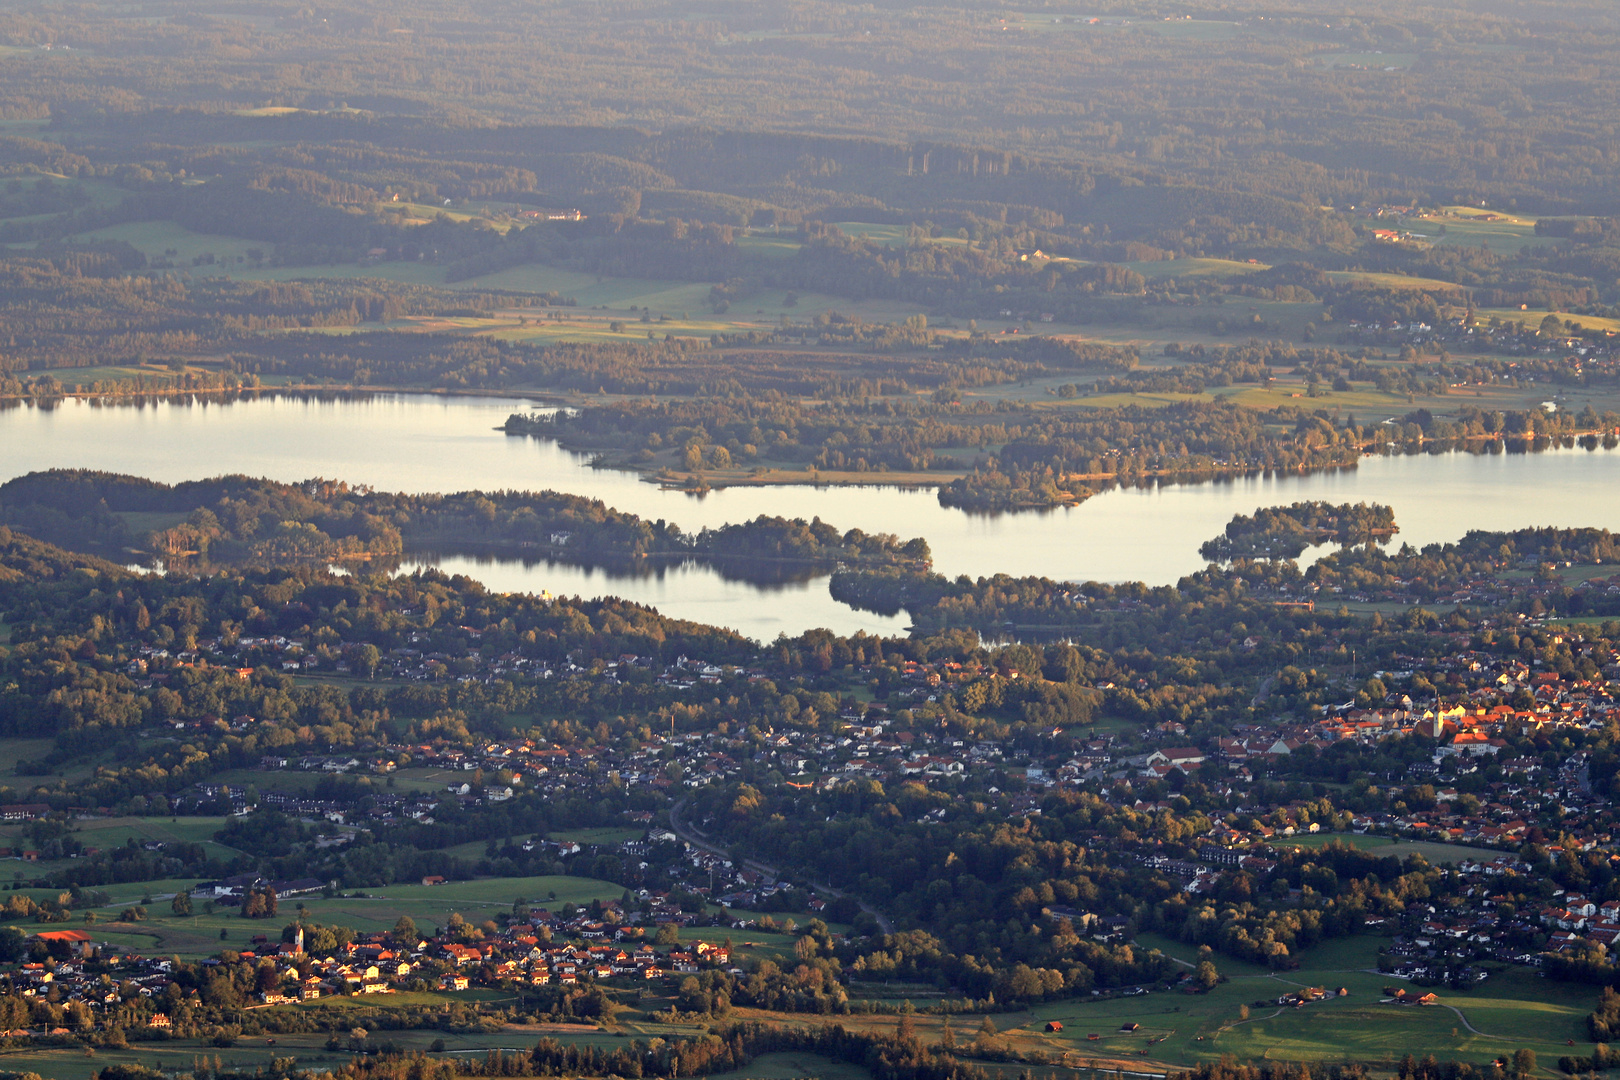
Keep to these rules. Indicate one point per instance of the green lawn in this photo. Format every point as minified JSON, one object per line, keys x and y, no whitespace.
{"x":1392,"y":281}
{"x":1312,"y":841}
{"x":1514,"y":1009}
{"x":198,"y":935}
{"x":765,"y":244}
{"x":1435,"y":852}
{"x":1375,"y":61}
{"x":1502,"y":237}
{"x":15,"y":750}
{"x":310,"y":1049}
{"x":154,"y":238}
{"x":105,"y":833}
{"x":1195,"y":268}
{"x":89,"y":376}
{"x":1532,"y":319}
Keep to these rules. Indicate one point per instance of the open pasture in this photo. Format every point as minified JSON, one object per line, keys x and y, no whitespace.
{"x":892,"y":236}
{"x":156,"y":239}
{"x":1514,"y":1009}
{"x":769,"y":245}
{"x":1370,"y":61}
{"x":1532,"y":320}
{"x":1436,"y":853}
{"x":1191,"y":268}
{"x":1393,"y":281}
{"x":1503,"y":234}
{"x":497,"y":218}
{"x":204,"y":932}
{"x":177,"y":1056}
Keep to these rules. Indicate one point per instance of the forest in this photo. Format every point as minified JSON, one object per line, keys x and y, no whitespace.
{"x":244,"y":521}
{"x":1286,"y":531}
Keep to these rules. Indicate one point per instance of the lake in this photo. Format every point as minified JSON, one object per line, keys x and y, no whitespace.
{"x":402,"y":442}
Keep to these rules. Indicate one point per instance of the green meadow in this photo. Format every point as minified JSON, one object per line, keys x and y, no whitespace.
{"x":204,"y":932}
{"x":1513,"y":1009}
{"x":1438,"y":854}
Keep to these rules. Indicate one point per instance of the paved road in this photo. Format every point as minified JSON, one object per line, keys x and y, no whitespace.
{"x":689,"y":833}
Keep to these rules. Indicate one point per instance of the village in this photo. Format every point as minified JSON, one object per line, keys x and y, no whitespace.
{"x":537,"y":948}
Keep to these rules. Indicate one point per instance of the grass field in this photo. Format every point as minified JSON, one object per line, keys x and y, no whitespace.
{"x":1532,"y":319}
{"x":1195,"y":268}
{"x":15,"y":750}
{"x":1372,"y":61}
{"x":892,"y":236}
{"x":1504,"y":236}
{"x":1436,"y":853}
{"x":600,"y":301}
{"x":1392,"y":281}
{"x":768,"y":245}
{"x":104,"y":833}
{"x":87,"y":376}
{"x":253,"y":1052}
{"x":1514,"y":1009}
{"x":154,"y":238}
{"x":199,"y":935}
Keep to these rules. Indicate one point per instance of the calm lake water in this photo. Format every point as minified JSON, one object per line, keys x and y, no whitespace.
{"x":426,"y":443}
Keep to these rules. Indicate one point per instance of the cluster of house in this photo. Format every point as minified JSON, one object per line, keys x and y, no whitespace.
{"x":1576,"y":923}
{"x":1480,"y":591}
{"x":524,"y":952}
{"x":527,"y":951}
{"x":1469,"y":725}
{"x":447,"y":654}
{"x":231,"y":891}
{"x":1298,"y":999}
{"x":1574,"y":356}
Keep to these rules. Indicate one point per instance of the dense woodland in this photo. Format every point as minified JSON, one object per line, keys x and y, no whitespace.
{"x":238,"y":520}
{"x":1286,"y":531}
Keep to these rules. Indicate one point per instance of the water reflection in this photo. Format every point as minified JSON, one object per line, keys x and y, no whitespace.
{"x":445,"y":444}
{"x":683,"y":591}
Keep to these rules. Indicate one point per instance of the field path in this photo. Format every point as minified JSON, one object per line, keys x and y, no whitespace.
{"x":1453,"y":1008}
{"x":1251,"y":1020}
{"x":1469,"y":1026}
